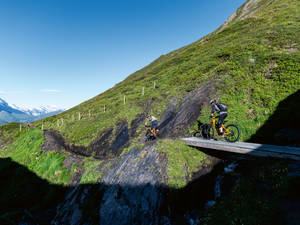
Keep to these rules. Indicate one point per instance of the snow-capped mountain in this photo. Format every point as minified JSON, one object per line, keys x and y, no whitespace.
{"x":13,"y":113}
{"x":37,"y":111}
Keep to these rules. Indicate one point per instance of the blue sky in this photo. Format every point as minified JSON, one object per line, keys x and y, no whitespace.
{"x":63,"y":52}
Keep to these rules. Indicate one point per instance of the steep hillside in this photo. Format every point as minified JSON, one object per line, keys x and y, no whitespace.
{"x":251,"y":63}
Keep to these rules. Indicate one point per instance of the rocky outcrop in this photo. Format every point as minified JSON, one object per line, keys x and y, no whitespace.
{"x":122,"y":137}
{"x":139,"y":119}
{"x":101,"y":144}
{"x":247,"y":10}
{"x":101,"y":148}
{"x":180,"y":115}
{"x":130,"y":192}
{"x":134,"y":190}
{"x":53,"y":141}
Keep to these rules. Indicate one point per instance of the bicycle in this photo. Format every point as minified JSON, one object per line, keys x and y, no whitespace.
{"x":151,"y":134}
{"x":202,"y":131}
{"x":231,"y":132}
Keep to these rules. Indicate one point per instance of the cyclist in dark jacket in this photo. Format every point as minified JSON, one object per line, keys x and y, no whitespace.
{"x":152,"y":121}
{"x":221,"y":110}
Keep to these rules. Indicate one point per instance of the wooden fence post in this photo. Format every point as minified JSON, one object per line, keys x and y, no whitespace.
{"x":143,"y":91}
{"x":124,"y":99}
{"x":20,"y":127}
{"x":79,"y":117}
{"x":154,"y":85}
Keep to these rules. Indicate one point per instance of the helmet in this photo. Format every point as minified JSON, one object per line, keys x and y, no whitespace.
{"x":212,"y":101}
{"x":149,"y":117}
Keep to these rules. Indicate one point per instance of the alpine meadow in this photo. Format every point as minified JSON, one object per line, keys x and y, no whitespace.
{"x":92,"y":165}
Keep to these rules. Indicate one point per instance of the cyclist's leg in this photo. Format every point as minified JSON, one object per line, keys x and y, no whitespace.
{"x":221,"y":121}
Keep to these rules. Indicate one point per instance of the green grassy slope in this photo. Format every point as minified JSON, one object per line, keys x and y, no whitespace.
{"x":254,"y":63}
{"x":26,"y":150}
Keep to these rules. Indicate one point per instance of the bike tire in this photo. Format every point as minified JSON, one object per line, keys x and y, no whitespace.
{"x":148,"y":135}
{"x":197,"y":134}
{"x":211,"y":132}
{"x":235,"y":130}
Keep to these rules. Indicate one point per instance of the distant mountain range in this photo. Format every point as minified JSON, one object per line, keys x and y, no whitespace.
{"x":13,"y":113}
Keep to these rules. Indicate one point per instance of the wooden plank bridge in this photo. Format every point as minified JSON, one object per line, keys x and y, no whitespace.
{"x":262,"y":150}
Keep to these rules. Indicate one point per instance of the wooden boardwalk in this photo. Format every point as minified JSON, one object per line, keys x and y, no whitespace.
{"x":262,"y":150}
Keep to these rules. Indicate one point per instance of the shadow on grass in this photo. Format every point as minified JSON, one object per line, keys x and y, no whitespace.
{"x":285,"y":118}
{"x":26,"y":197}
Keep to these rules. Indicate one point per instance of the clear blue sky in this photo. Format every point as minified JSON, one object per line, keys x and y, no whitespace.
{"x":63,"y":52}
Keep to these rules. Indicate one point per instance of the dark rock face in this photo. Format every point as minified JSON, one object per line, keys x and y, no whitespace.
{"x":53,"y":141}
{"x":131,"y":192}
{"x":139,"y":119}
{"x":100,"y":148}
{"x":78,"y":150}
{"x":101,"y":144}
{"x":134,"y":190}
{"x":176,"y":120}
{"x":139,"y":205}
{"x":121,"y":139}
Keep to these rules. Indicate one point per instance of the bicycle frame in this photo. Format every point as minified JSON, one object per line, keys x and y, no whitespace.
{"x":153,"y":131}
{"x":226,"y":131}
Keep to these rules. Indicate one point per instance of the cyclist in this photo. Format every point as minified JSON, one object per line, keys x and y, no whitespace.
{"x":221,"y":109}
{"x":153,"y":121}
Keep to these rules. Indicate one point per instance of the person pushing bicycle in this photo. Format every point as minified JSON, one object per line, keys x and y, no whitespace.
{"x":221,"y":109}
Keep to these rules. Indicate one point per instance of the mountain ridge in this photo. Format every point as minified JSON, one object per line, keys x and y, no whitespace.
{"x":13,"y":113}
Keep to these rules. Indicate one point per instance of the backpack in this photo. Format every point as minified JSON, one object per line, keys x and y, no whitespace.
{"x":222,"y":107}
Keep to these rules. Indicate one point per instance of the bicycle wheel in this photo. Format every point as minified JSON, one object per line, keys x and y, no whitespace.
{"x":211,"y":132}
{"x":148,"y":135}
{"x":233,"y":133}
{"x":197,"y":134}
